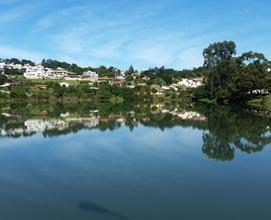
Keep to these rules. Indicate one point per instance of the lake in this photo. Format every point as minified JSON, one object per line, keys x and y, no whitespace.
{"x":134,"y":162}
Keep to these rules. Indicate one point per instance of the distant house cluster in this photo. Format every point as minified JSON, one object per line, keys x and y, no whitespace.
{"x":39,"y":72}
{"x":131,"y":80}
{"x":191,"y":83}
{"x":13,"y":66}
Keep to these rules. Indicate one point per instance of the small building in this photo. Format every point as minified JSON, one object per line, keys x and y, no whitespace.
{"x":41,"y":86}
{"x":92,"y":76}
{"x":117,"y":82}
{"x":60,"y":73}
{"x":191,"y":83}
{"x":105,"y":79}
{"x":2,"y":65}
{"x":64,"y":84}
{"x":36,"y":72}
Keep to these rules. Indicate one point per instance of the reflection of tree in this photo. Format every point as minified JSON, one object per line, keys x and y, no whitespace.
{"x":225,"y":130}
{"x":234,"y":128}
{"x":214,"y":148}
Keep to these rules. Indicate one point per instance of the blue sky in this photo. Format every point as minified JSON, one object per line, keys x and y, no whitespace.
{"x":144,"y":33}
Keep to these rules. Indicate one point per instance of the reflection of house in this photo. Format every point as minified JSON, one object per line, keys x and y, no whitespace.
{"x":43,"y":125}
{"x":189,"y":115}
{"x":88,"y":122}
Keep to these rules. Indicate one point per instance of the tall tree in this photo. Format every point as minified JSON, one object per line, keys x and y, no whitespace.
{"x":130,"y":71}
{"x":218,"y":52}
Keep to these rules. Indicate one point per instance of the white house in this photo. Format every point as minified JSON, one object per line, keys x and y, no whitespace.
{"x":93,"y":76}
{"x":268,"y":69}
{"x":35,"y":72}
{"x":2,"y":65}
{"x":60,"y":73}
{"x":191,"y":83}
{"x":64,"y":84}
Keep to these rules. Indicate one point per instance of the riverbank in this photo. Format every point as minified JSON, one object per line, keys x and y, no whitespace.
{"x":263,"y":103}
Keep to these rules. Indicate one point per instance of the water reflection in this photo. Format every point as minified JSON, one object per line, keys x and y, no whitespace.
{"x":232,"y":128}
{"x":225,"y":129}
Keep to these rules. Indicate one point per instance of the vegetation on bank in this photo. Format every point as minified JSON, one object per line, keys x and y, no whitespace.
{"x":263,"y":103}
{"x":232,"y":79}
{"x":228,"y":79}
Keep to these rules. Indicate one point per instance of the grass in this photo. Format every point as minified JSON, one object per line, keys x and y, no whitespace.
{"x":262,"y":103}
{"x":43,"y":81}
{"x":207,"y":101}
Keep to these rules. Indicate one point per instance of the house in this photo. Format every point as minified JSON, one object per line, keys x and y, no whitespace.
{"x":60,"y":73}
{"x":156,"y":90}
{"x":41,"y":86}
{"x":191,"y":83}
{"x":105,"y":79}
{"x":91,"y":76}
{"x":64,"y":84}
{"x":36,"y":72}
{"x":2,"y":65}
{"x":117,"y":82}
{"x":165,"y":88}
{"x":268,"y":69}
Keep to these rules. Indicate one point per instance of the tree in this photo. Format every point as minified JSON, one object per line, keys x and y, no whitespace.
{"x":233,"y":79}
{"x":129,"y":78}
{"x":217,"y":53}
{"x":3,"y":79}
{"x":130,"y":71}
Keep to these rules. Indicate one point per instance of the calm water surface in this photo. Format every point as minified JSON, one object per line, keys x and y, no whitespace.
{"x":138,"y":164}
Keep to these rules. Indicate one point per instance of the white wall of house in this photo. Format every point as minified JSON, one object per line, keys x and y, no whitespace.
{"x":2,"y":65}
{"x":93,"y":76}
{"x":190,"y":83}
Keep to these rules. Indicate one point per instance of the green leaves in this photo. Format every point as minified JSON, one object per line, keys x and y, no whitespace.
{"x":233,"y":79}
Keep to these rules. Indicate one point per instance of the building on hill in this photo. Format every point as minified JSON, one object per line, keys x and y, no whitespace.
{"x":2,"y":65}
{"x":105,"y":79}
{"x":60,"y":73}
{"x":39,"y":72}
{"x":36,"y":72}
{"x":191,"y":83}
{"x":92,"y":76}
{"x":64,"y":84}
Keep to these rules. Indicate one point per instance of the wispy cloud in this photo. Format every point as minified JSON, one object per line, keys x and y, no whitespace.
{"x":121,"y":32}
